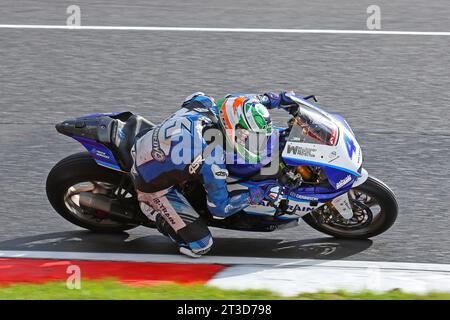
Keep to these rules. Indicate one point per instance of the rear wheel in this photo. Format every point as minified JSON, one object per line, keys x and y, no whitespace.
{"x":375,"y":211}
{"x":80,"y":173}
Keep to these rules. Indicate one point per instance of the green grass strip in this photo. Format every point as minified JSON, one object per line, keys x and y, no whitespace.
{"x":112,"y":290}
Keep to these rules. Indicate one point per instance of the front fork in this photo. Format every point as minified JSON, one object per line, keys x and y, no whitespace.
{"x":342,"y":204}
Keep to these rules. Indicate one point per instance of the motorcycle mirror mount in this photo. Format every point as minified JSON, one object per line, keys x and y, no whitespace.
{"x":293,"y":109}
{"x":312,"y":96}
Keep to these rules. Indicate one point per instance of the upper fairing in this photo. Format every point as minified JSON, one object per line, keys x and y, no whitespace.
{"x":342,"y":153}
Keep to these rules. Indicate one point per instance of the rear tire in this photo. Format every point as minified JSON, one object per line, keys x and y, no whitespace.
{"x":75,"y":169}
{"x":388,"y":213}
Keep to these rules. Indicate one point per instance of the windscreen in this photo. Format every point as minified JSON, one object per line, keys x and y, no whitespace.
{"x":311,"y":126}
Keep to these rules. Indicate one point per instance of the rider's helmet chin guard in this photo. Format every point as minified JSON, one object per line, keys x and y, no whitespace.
{"x":247,"y":126}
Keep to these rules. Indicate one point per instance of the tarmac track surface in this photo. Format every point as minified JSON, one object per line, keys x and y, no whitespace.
{"x":393,"y":90}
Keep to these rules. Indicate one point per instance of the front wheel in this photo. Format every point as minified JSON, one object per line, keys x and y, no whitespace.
{"x":375,"y":211}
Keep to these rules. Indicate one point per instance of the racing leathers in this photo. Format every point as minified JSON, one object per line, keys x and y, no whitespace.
{"x":181,"y":149}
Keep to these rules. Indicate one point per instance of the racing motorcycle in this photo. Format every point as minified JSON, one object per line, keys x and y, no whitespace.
{"x":319,"y":177}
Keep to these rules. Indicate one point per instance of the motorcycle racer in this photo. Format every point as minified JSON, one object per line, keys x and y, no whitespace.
{"x":178,"y":150}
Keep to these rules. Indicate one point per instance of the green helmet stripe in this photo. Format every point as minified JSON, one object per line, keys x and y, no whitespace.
{"x":253,"y":124}
{"x":245,"y":123}
{"x":248,"y":156}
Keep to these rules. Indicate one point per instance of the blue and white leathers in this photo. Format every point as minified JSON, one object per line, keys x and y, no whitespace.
{"x":175,"y":151}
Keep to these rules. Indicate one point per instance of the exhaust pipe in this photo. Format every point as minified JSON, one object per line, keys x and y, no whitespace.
{"x":102,"y":203}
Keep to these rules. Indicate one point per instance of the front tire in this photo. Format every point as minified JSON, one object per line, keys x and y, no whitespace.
{"x":75,"y":170}
{"x":379,"y":197}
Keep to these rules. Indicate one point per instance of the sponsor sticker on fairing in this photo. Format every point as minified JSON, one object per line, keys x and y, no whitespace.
{"x":303,"y":197}
{"x":343,"y":182}
{"x":301,"y":151}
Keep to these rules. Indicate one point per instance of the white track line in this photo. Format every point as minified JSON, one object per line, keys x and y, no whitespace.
{"x":234,"y":30}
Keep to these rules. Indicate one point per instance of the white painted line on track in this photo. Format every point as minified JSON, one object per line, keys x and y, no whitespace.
{"x":225,"y":260}
{"x":229,"y":30}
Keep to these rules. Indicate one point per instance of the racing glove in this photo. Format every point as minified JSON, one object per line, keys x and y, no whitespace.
{"x":272,"y":100}
{"x":256,"y":195}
